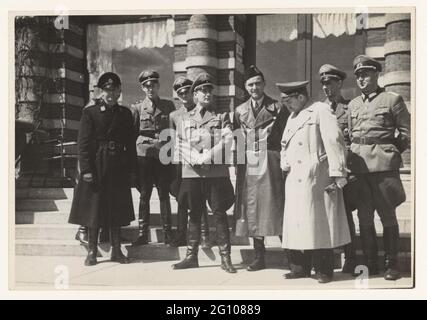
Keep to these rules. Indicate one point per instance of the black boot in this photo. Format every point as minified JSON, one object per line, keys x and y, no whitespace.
{"x":370,"y":248}
{"x":259,"y":261}
{"x":181,"y":233}
{"x":205,"y":242}
{"x":223,"y":238}
{"x":191,"y":258}
{"x":165,"y":213}
{"x":92,"y":247}
{"x":116,"y":251}
{"x":349,"y":249}
{"x":142,"y":234}
{"x":299,"y":264}
{"x":82,"y":235}
{"x":391,"y":248}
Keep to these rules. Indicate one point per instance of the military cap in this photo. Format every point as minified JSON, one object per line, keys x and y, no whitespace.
{"x":365,"y":62}
{"x":181,"y":83}
{"x":328,"y":71}
{"x":108,"y":80}
{"x":289,"y":88}
{"x":202,"y":80}
{"x":253,"y":71}
{"x":148,"y":75}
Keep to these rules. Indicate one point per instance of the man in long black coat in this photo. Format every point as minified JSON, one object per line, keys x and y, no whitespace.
{"x":107,"y":158}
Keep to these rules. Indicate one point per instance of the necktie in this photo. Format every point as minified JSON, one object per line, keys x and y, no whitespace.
{"x":202,"y":112}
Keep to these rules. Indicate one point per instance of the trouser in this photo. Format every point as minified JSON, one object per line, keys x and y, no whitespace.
{"x":219,"y":194}
{"x":381,"y":192}
{"x":304,"y":260}
{"x":183,"y":221}
{"x":152,"y":172}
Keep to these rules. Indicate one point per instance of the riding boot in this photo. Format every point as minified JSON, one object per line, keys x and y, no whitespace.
{"x":116,"y":252}
{"x":370,"y":248}
{"x":181,"y":233}
{"x":223,"y":239}
{"x":205,"y":243}
{"x":165,"y":213}
{"x":391,"y":248}
{"x":142,"y":234}
{"x":191,"y":257}
{"x":92,"y":247}
{"x":259,"y":262}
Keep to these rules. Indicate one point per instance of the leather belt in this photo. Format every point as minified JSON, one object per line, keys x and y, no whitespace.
{"x":373,"y":140}
{"x":112,"y":145}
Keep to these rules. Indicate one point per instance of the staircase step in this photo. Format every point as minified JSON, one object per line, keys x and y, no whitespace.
{"x":61,"y":217}
{"x":130,"y":233}
{"x":275,"y":256}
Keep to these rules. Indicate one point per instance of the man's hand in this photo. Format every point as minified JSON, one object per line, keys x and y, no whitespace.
{"x":87,"y":177}
{"x":340,"y":182}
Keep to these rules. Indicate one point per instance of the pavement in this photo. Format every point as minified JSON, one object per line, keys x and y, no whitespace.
{"x":55,"y":272}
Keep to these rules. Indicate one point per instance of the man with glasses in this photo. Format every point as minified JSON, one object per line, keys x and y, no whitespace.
{"x":332,"y":80}
{"x":205,"y":136}
{"x":380,"y":131}
{"x":182,"y":87}
{"x":259,"y":189}
{"x":151,"y":116}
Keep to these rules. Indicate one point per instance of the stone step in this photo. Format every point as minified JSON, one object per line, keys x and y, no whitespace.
{"x":275,"y":256}
{"x":61,"y":217}
{"x":64,"y":205}
{"x":130,"y":233}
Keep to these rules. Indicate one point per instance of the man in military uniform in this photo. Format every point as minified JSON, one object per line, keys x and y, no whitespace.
{"x":182,"y":87}
{"x":259,"y":189}
{"x":380,"y":131}
{"x":332,"y":79}
{"x":107,"y":159}
{"x":203,"y":137}
{"x":151,"y":116}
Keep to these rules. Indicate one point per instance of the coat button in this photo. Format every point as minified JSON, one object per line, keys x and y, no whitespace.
{"x":299,"y":161}
{"x":300,"y":143}
{"x":299,"y":180}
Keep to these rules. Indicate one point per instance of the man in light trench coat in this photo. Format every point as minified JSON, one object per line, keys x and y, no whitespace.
{"x":313,"y":158}
{"x":260,"y":187}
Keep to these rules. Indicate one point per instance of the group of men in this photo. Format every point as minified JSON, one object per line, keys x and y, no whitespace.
{"x":302,"y":167}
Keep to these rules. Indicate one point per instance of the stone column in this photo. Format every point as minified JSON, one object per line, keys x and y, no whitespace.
{"x":397,"y":51}
{"x":375,"y":39}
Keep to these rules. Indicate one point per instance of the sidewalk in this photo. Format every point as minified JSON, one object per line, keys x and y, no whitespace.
{"x":40,"y":273}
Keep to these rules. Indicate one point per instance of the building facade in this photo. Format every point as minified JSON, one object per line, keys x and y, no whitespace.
{"x":58,"y":60}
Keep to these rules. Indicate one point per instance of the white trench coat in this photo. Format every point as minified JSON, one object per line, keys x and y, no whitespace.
{"x":313,"y":151}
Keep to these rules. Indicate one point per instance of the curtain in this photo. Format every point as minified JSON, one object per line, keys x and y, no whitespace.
{"x":285,"y":26}
{"x":103,"y":39}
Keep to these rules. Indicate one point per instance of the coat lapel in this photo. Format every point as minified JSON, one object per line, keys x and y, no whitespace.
{"x":246,"y":114}
{"x":302,"y":118}
{"x":267,"y":113}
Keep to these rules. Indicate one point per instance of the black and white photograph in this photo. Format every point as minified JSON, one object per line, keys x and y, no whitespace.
{"x":213,"y":150}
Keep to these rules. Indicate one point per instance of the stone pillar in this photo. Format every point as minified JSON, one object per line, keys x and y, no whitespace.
{"x":212,"y":44}
{"x":397,"y":51}
{"x":375,"y":39}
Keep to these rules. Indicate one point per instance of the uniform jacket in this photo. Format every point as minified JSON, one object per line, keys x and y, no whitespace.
{"x":378,"y":117}
{"x":313,"y":151}
{"x":150,"y":118}
{"x":259,"y":186}
{"x":199,"y":134}
{"x":106,"y":147}
{"x":341,"y":112}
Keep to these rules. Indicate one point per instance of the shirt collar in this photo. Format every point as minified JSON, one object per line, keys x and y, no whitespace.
{"x":372,"y":95}
{"x":259,"y":102}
